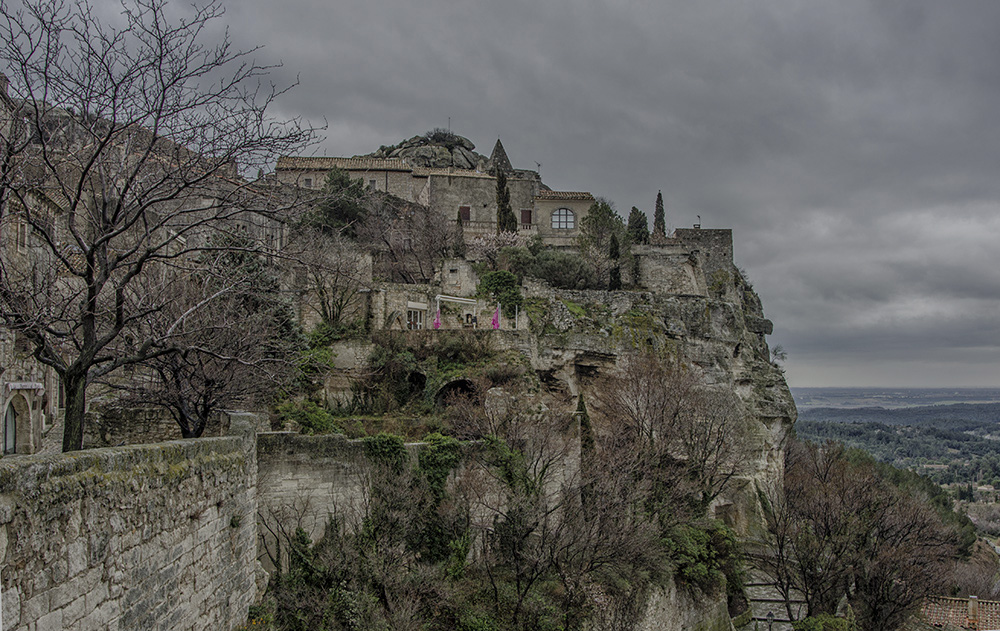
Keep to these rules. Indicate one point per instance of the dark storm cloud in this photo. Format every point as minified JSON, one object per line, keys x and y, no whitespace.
{"x":852,"y":145}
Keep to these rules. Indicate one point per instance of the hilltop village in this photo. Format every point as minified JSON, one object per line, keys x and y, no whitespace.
{"x":412,"y":280}
{"x":532,"y":317}
{"x":246,"y":387}
{"x":415,"y":387}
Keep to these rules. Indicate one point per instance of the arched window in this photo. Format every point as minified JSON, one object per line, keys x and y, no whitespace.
{"x":563,"y":219}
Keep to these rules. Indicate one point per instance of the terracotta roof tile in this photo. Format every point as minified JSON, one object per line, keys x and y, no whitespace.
{"x":564,"y":195}
{"x":940,"y":611}
{"x":323,"y":163}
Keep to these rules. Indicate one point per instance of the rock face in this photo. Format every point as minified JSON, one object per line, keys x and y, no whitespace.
{"x":435,"y":150}
{"x":719,"y":328}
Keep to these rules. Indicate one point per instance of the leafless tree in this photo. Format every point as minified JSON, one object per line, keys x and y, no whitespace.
{"x":841,"y":530}
{"x":646,"y":398}
{"x":714,"y":436}
{"x":603,"y":535}
{"x":331,"y":273}
{"x":229,"y":351}
{"x":407,"y":240}
{"x":661,"y":407}
{"x":123,"y":155}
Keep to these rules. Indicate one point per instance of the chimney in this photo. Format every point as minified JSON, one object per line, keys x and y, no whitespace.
{"x":973,"y":612}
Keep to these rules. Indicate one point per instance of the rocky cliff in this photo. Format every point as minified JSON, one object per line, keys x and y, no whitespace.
{"x":713,"y":322}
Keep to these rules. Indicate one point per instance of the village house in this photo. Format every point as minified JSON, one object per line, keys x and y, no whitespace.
{"x":457,"y":191}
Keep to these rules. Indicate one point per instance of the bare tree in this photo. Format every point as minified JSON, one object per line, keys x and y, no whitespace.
{"x":331,"y":273}
{"x":123,"y":155}
{"x":407,"y":240}
{"x":660,"y":407}
{"x":713,"y":433}
{"x":230,"y":351}
{"x":841,"y":530}
{"x":646,"y":398}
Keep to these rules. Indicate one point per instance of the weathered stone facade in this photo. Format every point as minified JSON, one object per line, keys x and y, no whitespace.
{"x":156,"y":536}
{"x":462,"y":187}
{"x":303,"y":481}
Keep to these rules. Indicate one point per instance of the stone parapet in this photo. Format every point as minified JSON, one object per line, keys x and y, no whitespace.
{"x":159,"y":536}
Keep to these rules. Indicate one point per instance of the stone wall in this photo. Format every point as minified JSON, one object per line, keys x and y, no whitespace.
{"x":309,"y":475}
{"x":156,"y":536}
{"x":715,"y":246}
{"x":303,"y":481}
{"x":478,"y":192}
{"x":113,"y":427}
{"x":671,"y":269}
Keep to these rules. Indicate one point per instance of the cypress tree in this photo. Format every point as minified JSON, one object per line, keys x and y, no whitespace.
{"x":586,"y":454}
{"x":614,"y":253}
{"x":505,"y":215}
{"x":660,"y":217}
{"x":638,"y":226}
{"x":458,"y":244}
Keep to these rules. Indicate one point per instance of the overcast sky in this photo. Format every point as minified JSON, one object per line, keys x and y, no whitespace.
{"x":852,"y":146}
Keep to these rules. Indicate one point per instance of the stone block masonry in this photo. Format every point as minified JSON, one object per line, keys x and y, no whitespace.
{"x":160,"y":536}
{"x":303,"y":481}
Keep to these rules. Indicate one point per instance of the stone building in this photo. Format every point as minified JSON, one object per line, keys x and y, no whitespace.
{"x":42,"y":259}
{"x":30,"y":394}
{"x":459,"y":189}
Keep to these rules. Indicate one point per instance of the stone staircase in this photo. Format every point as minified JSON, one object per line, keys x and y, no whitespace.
{"x":765,"y":598}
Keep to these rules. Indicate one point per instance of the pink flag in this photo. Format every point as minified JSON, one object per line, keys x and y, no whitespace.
{"x":496,"y":318}
{"x":437,"y":320}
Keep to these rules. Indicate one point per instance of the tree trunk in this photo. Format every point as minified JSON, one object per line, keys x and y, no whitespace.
{"x":76,"y":407}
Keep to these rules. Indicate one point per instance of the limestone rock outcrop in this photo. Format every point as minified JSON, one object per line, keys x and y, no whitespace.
{"x":720,"y":332}
{"x":435,"y":150}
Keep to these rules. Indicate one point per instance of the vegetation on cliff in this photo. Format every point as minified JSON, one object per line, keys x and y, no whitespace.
{"x":511,"y":529}
{"x":846,"y":528}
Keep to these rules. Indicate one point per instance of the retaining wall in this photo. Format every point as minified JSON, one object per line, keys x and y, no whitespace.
{"x":302,"y":481}
{"x":160,"y":536}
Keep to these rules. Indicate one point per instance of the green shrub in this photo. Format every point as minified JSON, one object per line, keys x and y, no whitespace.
{"x":824,"y":622}
{"x":438,"y":457}
{"x":503,"y":287}
{"x":558,"y":268}
{"x":703,"y":555}
{"x":308,"y":415}
{"x":386,"y":449}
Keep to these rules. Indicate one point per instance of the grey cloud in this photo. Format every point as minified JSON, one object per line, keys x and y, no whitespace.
{"x":852,"y":146}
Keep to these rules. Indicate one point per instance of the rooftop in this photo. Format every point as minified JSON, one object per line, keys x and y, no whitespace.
{"x":316,"y":163}
{"x":939,"y":611}
{"x":564,"y":195}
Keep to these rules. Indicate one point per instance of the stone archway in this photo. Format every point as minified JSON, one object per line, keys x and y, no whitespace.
{"x":456,"y":387}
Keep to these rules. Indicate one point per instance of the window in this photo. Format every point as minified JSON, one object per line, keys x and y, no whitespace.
{"x":526,"y":216}
{"x":414,"y":319}
{"x":371,"y":185}
{"x":563,"y":219}
{"x":308,"y":182}
{"x":465,"y":212}
{"x":22,"y":235}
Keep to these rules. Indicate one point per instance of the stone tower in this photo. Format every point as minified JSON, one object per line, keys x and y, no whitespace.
{"x":499,"y":161}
